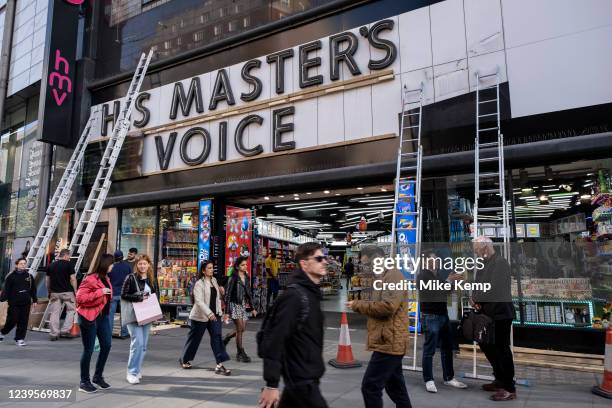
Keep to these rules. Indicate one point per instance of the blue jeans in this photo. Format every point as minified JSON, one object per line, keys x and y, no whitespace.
{"x":89,"y":331}
{"x":196,"y":332}
{"x":116,"y":303}
{"x":138,"y":346}
{"x":437,"y":330}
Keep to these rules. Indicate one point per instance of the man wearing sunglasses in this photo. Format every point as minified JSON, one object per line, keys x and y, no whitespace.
{"x":291,"y":339}
{"x":388,"y":321}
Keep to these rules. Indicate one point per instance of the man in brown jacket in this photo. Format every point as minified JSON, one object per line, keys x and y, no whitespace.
{"x":388,"y":334}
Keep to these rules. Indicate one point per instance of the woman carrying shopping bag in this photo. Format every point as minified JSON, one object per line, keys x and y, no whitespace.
{"x":206,"y":314}
{"x":137,"y":288}
{"x":239,"y":303}
{"x":93,"y":305}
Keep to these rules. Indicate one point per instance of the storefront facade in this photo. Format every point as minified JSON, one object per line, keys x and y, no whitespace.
{"x":310,"y":103}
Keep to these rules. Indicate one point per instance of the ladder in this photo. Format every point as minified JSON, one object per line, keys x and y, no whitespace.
{"x":489,"y":174}
{"x":59,"y":201}
{"x":489,"y":201}
{"x":99,"y":190}
{"x":407,"y":220}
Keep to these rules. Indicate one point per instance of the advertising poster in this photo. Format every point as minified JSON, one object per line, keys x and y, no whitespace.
{"x":204,"y":226}
{"x":238,"y":236}
{"x":406,"y":238}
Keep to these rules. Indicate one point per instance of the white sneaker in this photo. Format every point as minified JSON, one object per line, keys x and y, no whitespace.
{"x":431,"y":386}
{"x":132,"y":379}
{"x":20,"y":343}
{"x":139,"y":376}
{"x":455,"y":383}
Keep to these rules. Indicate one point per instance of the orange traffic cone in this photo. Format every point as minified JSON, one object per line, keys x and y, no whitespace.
{"x":605,"y":389}
{"x":75,"y":331}
{"x":344,"y":357}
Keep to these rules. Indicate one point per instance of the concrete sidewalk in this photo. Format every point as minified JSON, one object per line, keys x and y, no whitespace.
{"x":165,"y":384}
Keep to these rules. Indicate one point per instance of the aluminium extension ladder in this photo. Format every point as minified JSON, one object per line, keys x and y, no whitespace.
{"x":489,"y":201}
{"x":408,"y":172}
{"x":58,"y":202}
{"x":93,"y":207}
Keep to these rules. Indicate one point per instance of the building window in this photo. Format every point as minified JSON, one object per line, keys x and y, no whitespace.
{"x":199,"y":36}
{"x":232,"y":26}
{"x":217,"y":30}
{"x":204,"y":18}
{"x":246,"y":21}
{"x":179,"y":41}
{"x":167,"y":45}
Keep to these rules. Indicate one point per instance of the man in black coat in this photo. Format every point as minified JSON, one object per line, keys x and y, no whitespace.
{"x":497,"y":304}
{"x":292,"y":343}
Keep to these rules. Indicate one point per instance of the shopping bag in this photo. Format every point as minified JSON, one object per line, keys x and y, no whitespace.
{"x":3,"y":312}
{"x":148,"y":310}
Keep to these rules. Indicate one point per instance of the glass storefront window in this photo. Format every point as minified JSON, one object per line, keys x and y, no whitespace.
{"x":178,"y":244}
{"x":138,"y":230}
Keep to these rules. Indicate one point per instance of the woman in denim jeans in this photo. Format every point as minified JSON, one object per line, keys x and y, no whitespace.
{"x":206,"y":314}
{"x":436,"y":326}
{"x":136,"y":288}
{"x":93,"y":304}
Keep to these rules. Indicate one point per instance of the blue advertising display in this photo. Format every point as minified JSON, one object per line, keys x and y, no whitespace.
{"x":406,"y":222}
{"x":204,"y":231}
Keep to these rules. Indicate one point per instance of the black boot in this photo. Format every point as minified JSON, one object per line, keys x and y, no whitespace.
{"x":245,"y":357}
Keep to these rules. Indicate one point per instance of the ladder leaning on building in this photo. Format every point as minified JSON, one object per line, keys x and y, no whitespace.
{"x":91,"y":212}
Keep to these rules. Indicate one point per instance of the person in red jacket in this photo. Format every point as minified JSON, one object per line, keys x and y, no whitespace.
{"x":93,"y":305}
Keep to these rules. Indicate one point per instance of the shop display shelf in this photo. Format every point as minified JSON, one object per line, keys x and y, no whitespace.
{"x":138,"y":233}
{"x":599,"y":198}
{"x":182,"y":242}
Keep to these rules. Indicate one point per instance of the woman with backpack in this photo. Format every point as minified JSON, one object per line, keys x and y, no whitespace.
{"x":93,"y":306}
{"x":20,"y":292}
{"x":239,"y":302}
{"x":206,"y":314}
{"x":136,"y":288}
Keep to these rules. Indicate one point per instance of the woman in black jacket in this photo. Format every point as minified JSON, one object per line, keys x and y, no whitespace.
{"x":136,"y":288}
{"x":239,"y":302}
{"x":20,"y":291}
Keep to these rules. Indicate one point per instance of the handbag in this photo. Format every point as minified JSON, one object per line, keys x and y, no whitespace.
{"x":127,"y":310}
{"x":148,"y":310}
{"x":478,"y":327}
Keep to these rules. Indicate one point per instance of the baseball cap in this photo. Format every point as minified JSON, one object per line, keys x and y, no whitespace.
{"x":118,"y":254}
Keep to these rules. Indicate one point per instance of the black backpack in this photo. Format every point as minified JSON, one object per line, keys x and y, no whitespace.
{"x":265,"y":326}
{"x":478,"y":327}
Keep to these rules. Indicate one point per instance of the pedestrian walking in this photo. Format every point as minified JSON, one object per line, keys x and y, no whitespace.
{"x":436,"y":326}
{"x":93,"y":305}
{"x":206,"y":314}
{"x":349,"y":270}
{"x":136,"y":288}
{"x":131,"y":258}
{"x":387,"y":336}
{"x":61,"y":284}
{"x":272,"y":269}
{"x":239,"y":303}
{"x":291,"y":339}
{"x":121,"y":270}
{"x":497,"y":304}
{"x":20,"y":292}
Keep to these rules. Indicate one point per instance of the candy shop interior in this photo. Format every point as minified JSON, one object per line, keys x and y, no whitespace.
{"x":338,"y":218}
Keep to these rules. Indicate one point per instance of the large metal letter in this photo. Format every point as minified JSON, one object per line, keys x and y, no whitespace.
{"x":179,"y":98}
{"x":279,"y":58}
{"x":382,"y":44}
{"x":240,"y":147}
{"x":164,"y":155}
{"x":194,"y":161}
{"x":278,"y":128}
{"x":346,"y":55}
{"x":251,"y":80}
{"x":222,"y":90}
{"x":307,"y":63}
{"x":144,"y":111}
